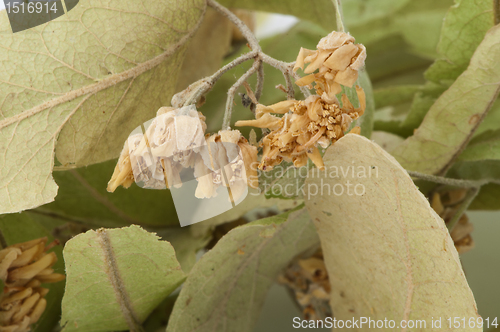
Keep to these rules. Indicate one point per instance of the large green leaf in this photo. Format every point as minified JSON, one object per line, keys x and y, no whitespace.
{"x":453,"y":118}
{"x":227,"y":287}
{"x":387,"y":253}
{"x":83,"y":198}
{"x":84,"y":81}
{"x":21,"y":227}
{"x":116,"y":278}
{"x":464,"y":27}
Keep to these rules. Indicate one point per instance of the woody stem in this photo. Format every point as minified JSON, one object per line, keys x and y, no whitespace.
{"x":339,"y":16}
{"x":463,"y":207}
{"x":226,"y":123}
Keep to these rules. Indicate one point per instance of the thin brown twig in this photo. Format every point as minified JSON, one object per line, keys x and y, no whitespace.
{"x":226,"y":122}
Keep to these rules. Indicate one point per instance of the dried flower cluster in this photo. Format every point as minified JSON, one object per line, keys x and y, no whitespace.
{"x":308,"y":280}
{"x":23,"y":268}
{"x":320,"y":119}
{"x":176,"y":140}
{"x":226,"y":160}
{"x":446,"y":205}
{"x":338,"y":60}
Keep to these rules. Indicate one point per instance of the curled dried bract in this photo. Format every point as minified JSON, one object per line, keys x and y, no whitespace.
{"x":337,"y":59}
{"x":226,"y":160}
{"x":155,"y":159}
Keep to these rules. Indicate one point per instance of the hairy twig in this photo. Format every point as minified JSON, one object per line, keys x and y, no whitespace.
{"x":339,"y":16}
{"x":463,"y":207}
{"x":244,"y":29}
{"x":208,"y":82}
{"x":226,"y":123}
{"x":260,"y":81}
{"x":451,"y":182}
{"x":290,"y":91}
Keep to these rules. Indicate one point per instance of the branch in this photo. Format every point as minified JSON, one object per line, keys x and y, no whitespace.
{"x":463,"y":207}
{"x":451,"y":182}
{"x":211,"y":80}
{"x":245,"y":30}
{"x":339,"y":16}
{"x":226,"y":123}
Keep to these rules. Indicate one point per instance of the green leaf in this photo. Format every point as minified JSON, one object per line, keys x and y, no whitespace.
{"x":186,"y":244}
{"x":421,"y":104}
{"x":363,"y":12}
{"x":26,"y":226}
{"x":214,"y":38}
{"x":464,"y":27}
{"x":83,"y":198}
{"x":256,"y":199}
{"x":384,"y":240}
{"x":227,"y":287}
{"x":487,"y":199}
{"x":116,"y":278}
{"x":453,"y":118}
{"x":84,"y":81}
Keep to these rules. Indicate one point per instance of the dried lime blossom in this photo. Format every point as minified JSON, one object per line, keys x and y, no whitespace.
{"x":171,"y":142}
{"x":337,"y":59}
{"x":305,"y":125}
{"x":23,"y":268}
{"x":446,"y":205}
{"x":176,"y":140}
{"x":226,"y":160}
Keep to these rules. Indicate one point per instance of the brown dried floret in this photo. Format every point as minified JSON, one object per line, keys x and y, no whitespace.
{"x":23,"y":268}
{"x":295,"y":136}
{"x":337,"y":59}
{"x":226,"y":160}
{"x":446,"y":204}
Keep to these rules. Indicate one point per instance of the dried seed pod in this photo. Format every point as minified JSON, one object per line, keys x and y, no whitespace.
{"x":23,"y":267}
{"x":446,"y":205}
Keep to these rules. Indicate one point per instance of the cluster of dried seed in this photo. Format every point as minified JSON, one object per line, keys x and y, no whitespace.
{"x":23,"y":268}
{"x":320,"y":119}
{"x":305,"y":125}
{"x":308,"y":280}
{"x":446,"y":205}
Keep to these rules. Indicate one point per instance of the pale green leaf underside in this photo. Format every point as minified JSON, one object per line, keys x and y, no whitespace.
{"x":463,"y":30}
{"x":115,"y":278}
{"x":83,"y":81}
{"x":388,"y":254}
{"x":227,"y":287}
{"x":453,"y":118}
